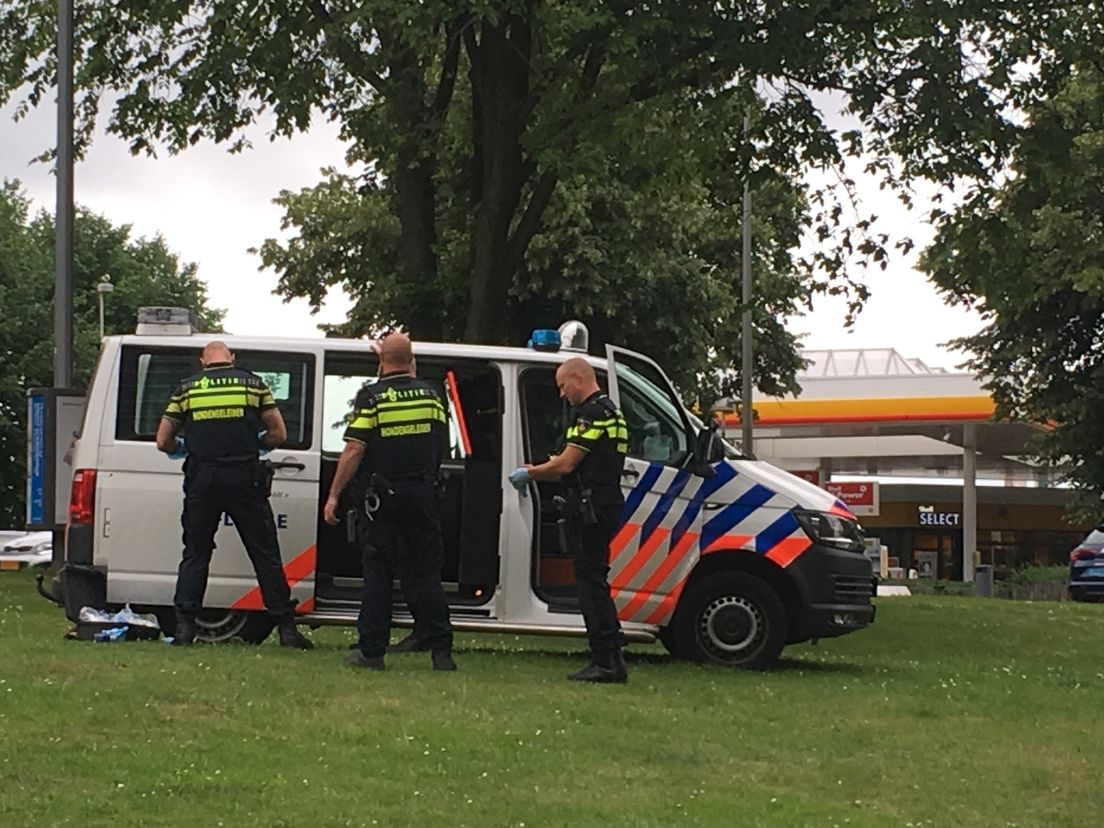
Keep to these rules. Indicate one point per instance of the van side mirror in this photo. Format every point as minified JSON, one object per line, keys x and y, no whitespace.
{"x":708,"y":449}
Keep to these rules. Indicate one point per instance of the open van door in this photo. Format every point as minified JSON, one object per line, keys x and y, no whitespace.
{"x":657,"y":545}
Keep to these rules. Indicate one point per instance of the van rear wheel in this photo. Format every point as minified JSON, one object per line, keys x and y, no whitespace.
{"x":218,"y":626}
{"x":730,"y":618}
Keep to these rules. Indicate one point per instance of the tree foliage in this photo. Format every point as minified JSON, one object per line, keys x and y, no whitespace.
{"x":542,"y":158}
{"x":143,"y":272}
{"x":1027,"y":251}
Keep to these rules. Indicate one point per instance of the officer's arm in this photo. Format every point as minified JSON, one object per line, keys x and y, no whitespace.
{"x":277,"y":431}
{"x":561,"y":464}
{"x":346,"y":467}
{"x":166,"y":435}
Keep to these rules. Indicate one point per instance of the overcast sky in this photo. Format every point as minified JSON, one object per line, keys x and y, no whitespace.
{"x":211,"y":206}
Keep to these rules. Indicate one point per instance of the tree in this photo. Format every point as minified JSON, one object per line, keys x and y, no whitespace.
{"x":1027,"y":251}
{"x":473,"y":119}
{"x":143,"y":272}
{"x":650,"y":243}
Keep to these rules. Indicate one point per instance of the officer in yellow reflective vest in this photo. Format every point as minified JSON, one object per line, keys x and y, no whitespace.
{"x":394,"y":445}
{"x":590,"y":467}
{"x":220,"y":420}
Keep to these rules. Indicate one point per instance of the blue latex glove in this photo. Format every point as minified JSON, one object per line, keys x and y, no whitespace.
{"x":263,"y":448}
{"x":181,"y":450}
{"x":519,"y":478}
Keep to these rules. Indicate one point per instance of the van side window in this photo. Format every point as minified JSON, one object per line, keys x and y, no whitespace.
{"x":544,"y":417}
{"x":150,"y":375}
{"x":544,"y":414}
{"x":469,"y":391}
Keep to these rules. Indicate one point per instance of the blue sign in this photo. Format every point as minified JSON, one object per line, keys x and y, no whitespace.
{"x":36,"y":463}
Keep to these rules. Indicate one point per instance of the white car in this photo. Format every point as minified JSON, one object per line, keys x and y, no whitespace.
{"x":31,"y":549}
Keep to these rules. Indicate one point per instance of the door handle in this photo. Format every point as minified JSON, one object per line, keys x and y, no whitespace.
{"x":287,"y":464}
{"x":711,"y":507}
{"x":630,"y":473}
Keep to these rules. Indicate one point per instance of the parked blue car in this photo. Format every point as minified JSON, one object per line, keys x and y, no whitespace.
{"x":1086,"y":578}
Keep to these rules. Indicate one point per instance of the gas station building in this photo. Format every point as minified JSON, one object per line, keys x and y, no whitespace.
{"x":916,"y":453}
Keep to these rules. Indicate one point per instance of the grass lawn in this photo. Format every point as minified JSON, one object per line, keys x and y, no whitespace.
{"x":948,"y":712}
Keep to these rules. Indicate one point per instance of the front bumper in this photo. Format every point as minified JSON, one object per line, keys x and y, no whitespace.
{"x":838,"y":587}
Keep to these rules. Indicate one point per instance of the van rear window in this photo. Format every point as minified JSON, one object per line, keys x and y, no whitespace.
{"x":150,"y":375}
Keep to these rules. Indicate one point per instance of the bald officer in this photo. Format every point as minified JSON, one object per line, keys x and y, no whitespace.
{"x":215,"y":417}
{"x":590,"y":466}
{"x":393,"y":447}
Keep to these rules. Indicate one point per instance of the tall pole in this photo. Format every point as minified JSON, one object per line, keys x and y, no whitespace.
{"x":102,"y":289}
{"x":746,"y":412}
{"x":969,"y":500}
{"x":63,"y":249}
{"x":63,"y":245}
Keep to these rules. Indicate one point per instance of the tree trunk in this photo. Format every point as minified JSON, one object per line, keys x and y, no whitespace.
{"x":418,"y":236}
{"x":499,"y":78}
{"x":419,"y":305}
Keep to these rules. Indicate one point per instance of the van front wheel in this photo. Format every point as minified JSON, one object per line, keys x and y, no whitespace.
{"x":730,"y":618}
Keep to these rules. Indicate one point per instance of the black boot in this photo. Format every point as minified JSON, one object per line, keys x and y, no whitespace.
{"x":355,"y":658}
{"x":185,"y":632}
{"x":619,"y":667}
{"x":442,"y":660}
{"x":411,"y":644}
{"x":607,"y":668}
{"x":291,"y":637}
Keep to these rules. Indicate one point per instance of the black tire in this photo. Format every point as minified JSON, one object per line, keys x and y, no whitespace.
{"x":666,"y":637}
{"x":219,"y":626}
{"x":730,"y":618}
{"x":166,"y":618}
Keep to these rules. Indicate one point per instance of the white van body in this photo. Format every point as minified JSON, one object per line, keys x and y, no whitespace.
{"x":723,"y":558}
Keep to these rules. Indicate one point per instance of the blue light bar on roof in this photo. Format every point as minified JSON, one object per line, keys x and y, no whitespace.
{"x":544,"y":339}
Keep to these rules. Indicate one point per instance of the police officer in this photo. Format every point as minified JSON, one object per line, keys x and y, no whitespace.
{"x":590,"y":466}
{"x":220,"y":419}
{"x":393,"y":447}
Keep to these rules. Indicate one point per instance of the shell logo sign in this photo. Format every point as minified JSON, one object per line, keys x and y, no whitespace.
{"x":862,"y":498}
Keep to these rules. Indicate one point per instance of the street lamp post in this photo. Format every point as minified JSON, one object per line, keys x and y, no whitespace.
{"x":747,"y":361}
{"x":102,"y":289}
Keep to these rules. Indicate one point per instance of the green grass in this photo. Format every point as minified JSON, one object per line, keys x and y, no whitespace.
{"x":948,"y":712}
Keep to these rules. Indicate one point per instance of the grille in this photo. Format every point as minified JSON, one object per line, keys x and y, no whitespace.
{"x":853,"y":589}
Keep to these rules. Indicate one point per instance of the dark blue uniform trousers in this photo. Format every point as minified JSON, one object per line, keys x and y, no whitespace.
{"x":589,"y":546}
{"x":238,"y":489}
{"x":404,"y":537}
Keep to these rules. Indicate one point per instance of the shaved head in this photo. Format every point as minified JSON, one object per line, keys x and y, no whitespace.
{"x":216,"y":352}
{"x":396,"y":353}
{"x":578,"y":367}
{"x":576,"y":380}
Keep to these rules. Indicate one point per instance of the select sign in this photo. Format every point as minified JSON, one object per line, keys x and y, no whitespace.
{"x":929,"y":517}
{"x":861,"y":498}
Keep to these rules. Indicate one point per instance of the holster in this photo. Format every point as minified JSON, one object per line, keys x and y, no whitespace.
{"x":358,"y":527}
{"x":580,"y":506}
{"x":267,"y":474}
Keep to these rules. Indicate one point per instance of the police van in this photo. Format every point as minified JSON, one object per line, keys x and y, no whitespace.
{"x":722,"y":558}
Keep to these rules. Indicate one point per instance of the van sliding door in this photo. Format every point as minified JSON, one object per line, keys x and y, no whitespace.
{"x":471,"y":474}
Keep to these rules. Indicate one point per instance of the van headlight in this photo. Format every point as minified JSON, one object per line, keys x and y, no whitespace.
{"x":44,"y":548}
{"x":831,"y":530}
